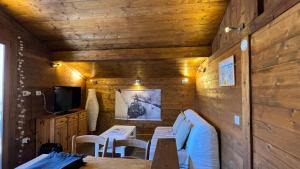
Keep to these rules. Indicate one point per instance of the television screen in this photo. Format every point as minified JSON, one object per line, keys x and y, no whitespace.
{"x":66,"y":98}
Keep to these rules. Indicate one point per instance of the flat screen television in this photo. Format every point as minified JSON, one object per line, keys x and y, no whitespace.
{"x":66,"y":98}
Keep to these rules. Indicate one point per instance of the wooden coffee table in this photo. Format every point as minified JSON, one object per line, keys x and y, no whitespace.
{"x":118,"y":132}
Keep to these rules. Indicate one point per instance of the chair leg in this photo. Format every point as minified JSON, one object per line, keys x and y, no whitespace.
{"x":96,"y":150}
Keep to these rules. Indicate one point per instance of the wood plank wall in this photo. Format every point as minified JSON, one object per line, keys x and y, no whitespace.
{"x":39,"y":76}
{"x":219,"y":105}
{"x":237,"y":12}
{"x":174,"y":97}
{"x":276,"y":92}
{"x":274,"y":88}
{"x":246,"y":12}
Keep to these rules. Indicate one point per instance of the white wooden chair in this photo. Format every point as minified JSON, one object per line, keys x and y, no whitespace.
{"x":131,"y":143}
{"x":91,"y":139}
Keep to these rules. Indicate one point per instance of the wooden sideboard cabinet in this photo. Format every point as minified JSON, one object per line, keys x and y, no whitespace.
{"x":61,"y":128}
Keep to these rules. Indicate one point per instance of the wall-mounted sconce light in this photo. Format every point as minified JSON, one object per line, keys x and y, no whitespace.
{"x":201,"y":69}
{"x":94,"y":82}
{"x":55,"y":64}
{"x":137,"y":82}
{"x":184,"y":81}
{"x":238,"y":29}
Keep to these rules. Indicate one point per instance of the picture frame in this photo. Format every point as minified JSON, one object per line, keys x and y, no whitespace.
{"x":227,"y":72}
{"x":138,"y":104}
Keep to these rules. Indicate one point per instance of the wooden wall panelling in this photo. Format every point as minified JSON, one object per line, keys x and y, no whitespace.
{"x":274,"y":68}
{"x":275,"y":92}
{"x":246,"y":11}
{"x":174,"y":98}
{"x":39,"y":76}
{"x":237,"y":12}
{"x":272,"y":9}
{"x":219,"y":105}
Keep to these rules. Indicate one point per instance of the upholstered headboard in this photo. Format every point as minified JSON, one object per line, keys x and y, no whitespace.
{"x":202,"y":144}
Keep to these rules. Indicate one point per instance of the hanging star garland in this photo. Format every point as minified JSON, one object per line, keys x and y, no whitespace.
{"x":20,"y":98}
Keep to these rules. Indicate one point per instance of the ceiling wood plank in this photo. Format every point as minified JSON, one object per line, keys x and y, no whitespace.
{"x":132,"y":54}
{"x":67,"y":25}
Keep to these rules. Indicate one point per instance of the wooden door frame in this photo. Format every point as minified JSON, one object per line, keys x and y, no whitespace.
{"x":246,"y":103}
{"x":9,"y":101}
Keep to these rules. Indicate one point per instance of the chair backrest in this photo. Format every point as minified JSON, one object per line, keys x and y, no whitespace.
{"x":91,"y":139}
{"x":132,"y":143}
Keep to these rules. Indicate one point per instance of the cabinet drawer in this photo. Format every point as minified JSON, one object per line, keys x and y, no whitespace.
{"x":60,"y":121}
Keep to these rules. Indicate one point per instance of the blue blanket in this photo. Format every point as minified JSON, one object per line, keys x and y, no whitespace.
{"x":59,"y":161}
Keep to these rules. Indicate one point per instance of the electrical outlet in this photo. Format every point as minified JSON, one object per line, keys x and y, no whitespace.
{"x":26,"y":93}
{"x":237,"y":120}
{"x":38,"y":93}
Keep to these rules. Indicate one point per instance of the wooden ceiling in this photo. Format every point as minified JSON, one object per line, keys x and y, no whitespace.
{"x":165,"y":35}
{"x":118,"y":24}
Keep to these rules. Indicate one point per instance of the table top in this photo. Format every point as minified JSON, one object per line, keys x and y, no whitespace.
{"x":116,"y":163}
{"x":102,"y":163}
{"x":119,"y":132}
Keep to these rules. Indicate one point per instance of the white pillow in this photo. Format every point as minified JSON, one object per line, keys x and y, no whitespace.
{"x":182,"y":133}
{"x":177,"y":123}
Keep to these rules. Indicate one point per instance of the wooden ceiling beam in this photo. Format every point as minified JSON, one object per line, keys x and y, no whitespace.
{"x":131,"y":54}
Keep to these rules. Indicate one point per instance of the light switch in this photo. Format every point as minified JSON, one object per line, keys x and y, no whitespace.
{"x":38,"y":93}
{"x":237,"y":120}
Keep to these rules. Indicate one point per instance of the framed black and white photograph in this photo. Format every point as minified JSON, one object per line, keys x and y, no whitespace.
{"x":138,"y":104}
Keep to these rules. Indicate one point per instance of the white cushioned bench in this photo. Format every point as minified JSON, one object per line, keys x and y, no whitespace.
{"x":201,"y":146}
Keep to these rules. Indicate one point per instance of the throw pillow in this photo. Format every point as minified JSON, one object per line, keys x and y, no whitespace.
{"x":178,"y":121}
